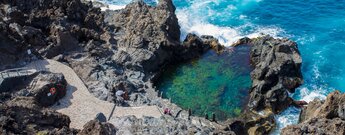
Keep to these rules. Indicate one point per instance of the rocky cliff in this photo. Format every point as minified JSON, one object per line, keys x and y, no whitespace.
{"x":321,"y":117}
{"x":277,"y":71}
{"x":48,"y":28}
{"x":126,"y":50}
{"x":140,"y":42}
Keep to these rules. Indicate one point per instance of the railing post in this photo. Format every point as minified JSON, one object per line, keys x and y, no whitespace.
{"x":213,"y":117}
{"x":189,"y":113}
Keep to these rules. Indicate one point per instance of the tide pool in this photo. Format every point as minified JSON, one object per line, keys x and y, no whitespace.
{"x":213,"y":83}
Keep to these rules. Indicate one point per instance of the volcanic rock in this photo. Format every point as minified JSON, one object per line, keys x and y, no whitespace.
{"x":22,"y":116}
{"x":321,"y":117}
{"x":48,"y":88}
{"x":166,"y":125}
{"x":51,"y":27}
{"x":277,"y":71}
{"x":141,"y":41}
{"x":95,"y":127}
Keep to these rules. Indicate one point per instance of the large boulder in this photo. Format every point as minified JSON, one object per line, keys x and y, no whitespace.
{"x":48,"y":88}
{"x":23,"y":116}
{"x":147,"y":33}
{"x":95,"y":127}
{"x":277,"y":71}
{"x":332,"y":107}
{"x":321,"y":117}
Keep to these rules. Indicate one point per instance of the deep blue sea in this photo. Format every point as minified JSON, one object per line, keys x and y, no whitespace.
{"x":318,"y":26}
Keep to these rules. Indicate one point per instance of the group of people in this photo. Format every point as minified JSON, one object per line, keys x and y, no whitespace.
{"x":122,"y":95}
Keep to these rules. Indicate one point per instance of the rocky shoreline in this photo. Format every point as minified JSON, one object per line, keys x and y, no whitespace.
{"x":127,"y":49}
{"x":321,"y":117}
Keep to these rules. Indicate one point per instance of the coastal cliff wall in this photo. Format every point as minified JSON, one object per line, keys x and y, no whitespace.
{"x":126,"y":49}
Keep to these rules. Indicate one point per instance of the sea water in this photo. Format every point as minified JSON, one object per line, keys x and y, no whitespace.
{"x":316,"y":25}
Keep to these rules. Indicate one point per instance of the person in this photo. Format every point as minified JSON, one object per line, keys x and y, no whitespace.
{"x":119,"y":97}
{"x":119,"y":93}
{"x":167,"y":111}
{"x":125,"y":96}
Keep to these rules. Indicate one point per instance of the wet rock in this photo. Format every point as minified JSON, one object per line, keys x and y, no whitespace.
{"x":213,"y":43}
{"x":321,"y":117}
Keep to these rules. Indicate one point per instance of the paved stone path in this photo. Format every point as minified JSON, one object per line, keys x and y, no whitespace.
{"x":80,"y":105}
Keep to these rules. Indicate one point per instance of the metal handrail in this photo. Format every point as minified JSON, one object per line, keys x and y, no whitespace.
{"x":14,"y":70}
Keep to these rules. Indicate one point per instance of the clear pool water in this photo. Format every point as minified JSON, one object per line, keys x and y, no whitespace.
{"x":213,"y":83}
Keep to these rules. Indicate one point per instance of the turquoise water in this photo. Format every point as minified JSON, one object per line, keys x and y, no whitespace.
{"x":316,"y":25}
{"x":213,"y":83}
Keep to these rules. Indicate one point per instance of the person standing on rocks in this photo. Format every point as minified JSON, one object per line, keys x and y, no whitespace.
{"x":121,"y":93}
{"x":119,"y":98}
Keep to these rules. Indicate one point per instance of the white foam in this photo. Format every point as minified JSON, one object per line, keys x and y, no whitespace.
{"x":287,"y":117}
{"x":113,"y":7}
{"x":108,"y":6}
{"x":309,"y":95}
{"x":193,"y":23}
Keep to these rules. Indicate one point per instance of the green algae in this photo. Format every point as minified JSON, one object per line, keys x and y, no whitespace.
{"x":211,"y":84}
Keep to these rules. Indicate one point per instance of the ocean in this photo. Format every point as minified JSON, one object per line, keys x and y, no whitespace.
{"x":316,"y":25}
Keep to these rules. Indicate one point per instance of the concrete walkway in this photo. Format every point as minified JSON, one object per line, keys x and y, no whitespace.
{"x":80,"y":105}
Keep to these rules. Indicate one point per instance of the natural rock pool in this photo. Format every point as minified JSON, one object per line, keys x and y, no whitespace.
{"x":214,"y":83}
